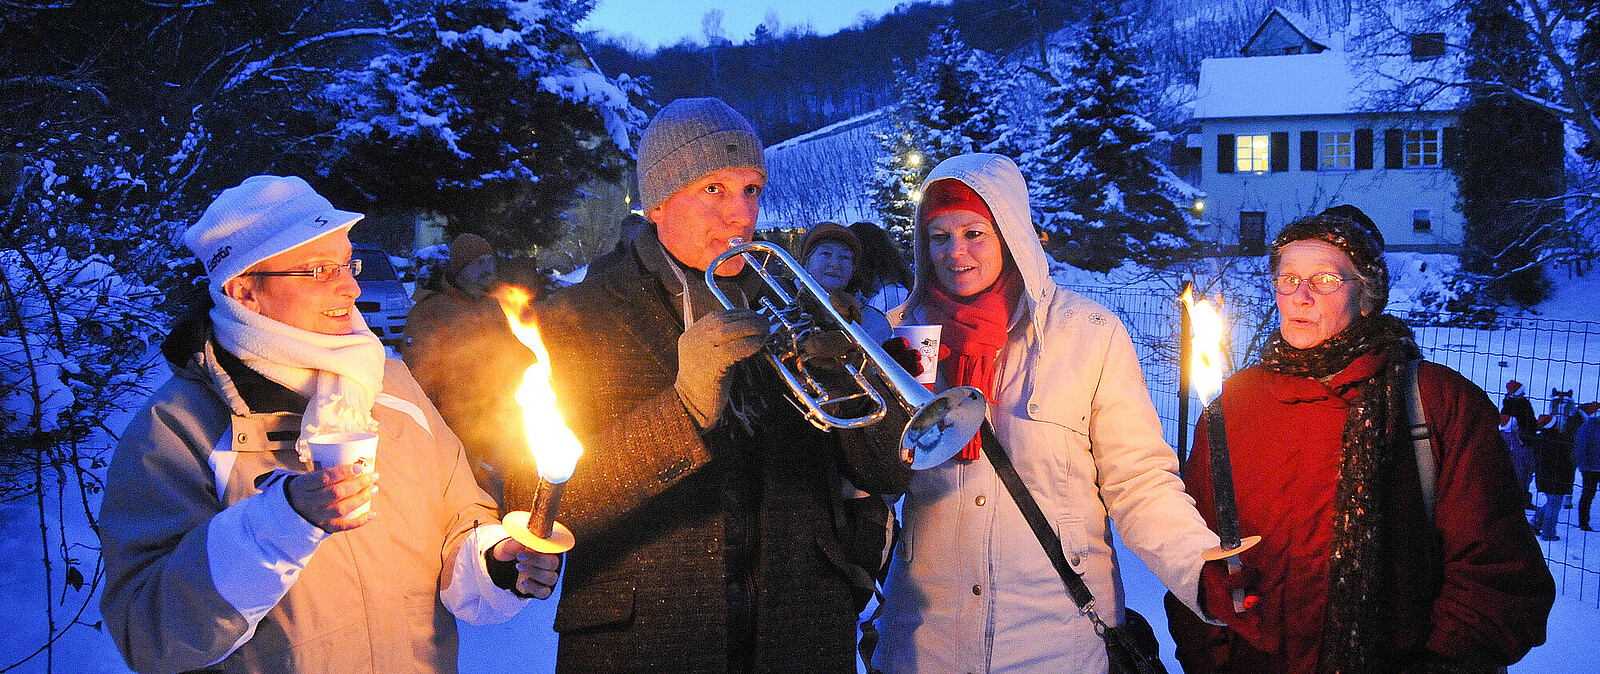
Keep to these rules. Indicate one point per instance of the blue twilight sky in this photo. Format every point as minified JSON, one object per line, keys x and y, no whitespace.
{"x":664,"y":22}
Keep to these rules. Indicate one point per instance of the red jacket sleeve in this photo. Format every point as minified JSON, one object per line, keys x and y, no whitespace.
{"x":1497,"y":591}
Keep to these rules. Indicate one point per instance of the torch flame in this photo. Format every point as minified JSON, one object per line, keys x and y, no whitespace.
{"x":555,"y":449}
{"x":1206,"y":358}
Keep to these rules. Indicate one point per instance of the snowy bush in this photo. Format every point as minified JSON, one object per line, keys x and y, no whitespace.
{"x":78,"y":320}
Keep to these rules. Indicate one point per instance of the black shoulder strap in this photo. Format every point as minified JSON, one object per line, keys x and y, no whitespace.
{"x":1036,"y":520}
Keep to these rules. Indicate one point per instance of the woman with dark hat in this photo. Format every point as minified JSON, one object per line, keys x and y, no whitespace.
{"x":971,"y":589}
{"x":830,"y":253}
{"x":1356,"y":574}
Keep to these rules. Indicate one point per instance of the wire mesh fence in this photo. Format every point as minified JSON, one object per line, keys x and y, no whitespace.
{"x":1543,"y":355}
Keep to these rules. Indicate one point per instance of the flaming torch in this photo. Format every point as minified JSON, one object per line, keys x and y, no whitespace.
{"x":1206,"y":362}
{"x":555,"y":449}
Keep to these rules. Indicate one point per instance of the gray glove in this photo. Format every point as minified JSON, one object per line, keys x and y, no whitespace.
{"x":705,"y":353}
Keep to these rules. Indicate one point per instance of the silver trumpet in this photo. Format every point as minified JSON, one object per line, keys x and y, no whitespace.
{"x":940,"y":424}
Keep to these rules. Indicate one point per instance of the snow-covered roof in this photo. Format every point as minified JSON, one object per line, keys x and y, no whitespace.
{"x":1296,"y":22}
{"x":1285,"y":86}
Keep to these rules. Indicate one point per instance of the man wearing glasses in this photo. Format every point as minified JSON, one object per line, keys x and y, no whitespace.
{"x":225,"y":546}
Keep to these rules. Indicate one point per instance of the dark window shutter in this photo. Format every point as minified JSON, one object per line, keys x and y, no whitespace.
{"x":1450,"y":145}
{"x":1308,"y":150}
{"x":1279,"y":151}
{"x":1394,"y":148}
{"x":1363,"y":148}
{"x":1225,"y":153}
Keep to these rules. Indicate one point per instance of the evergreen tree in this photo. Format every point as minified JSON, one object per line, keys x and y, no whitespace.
{"x":483,"y":117}
{"x":955,"y":101}
{"x":1510,"y":160}
{"x":897,"y":176}
{"x":1095,"y":182}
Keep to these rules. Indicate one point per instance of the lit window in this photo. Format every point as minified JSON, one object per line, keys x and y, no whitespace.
{"x":1336,"y":149}
{"x":1422,"y":148}
{"x":1252,"y":152}
{"x":1421,"y":220}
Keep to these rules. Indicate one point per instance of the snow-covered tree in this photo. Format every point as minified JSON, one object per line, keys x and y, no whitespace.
{"x":955,"y":101}
{"x":1507,"y":198}
{"x":488,"y":113}
{"x":1509,"y":65}
{"x":1094,"y":180}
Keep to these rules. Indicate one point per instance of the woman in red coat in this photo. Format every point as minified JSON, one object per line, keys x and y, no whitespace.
{"x":1354,"y":577}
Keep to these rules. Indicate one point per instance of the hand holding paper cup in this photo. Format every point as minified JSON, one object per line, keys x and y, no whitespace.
{"x":924,"y":339}
{"x":338,"y":449}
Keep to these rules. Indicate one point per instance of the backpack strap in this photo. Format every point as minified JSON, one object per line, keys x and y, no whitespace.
{"x":1421,"y":439}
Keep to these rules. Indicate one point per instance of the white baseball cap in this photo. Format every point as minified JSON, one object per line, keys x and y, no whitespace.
{"x":261,"y":217}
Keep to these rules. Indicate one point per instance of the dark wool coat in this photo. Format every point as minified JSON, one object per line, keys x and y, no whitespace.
{"x":1471,"y":585}
{"x":1555,"y":460}
{"x":695,"y":554}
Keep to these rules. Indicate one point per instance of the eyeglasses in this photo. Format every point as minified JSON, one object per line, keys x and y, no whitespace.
{"x":322,"y":272}
{"x":1322,"y":283}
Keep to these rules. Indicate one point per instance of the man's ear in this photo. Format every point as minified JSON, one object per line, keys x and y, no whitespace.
{"x":242,"y":291}
{"x":657,"y":214}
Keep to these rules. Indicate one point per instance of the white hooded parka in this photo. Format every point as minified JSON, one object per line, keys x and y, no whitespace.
{"x":970,"y":588}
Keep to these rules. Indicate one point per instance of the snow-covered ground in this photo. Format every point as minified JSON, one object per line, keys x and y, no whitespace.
{"x":528,"y":642}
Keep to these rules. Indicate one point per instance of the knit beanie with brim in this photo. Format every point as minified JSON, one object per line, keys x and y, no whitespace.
{"x":690,"y":139}
{"x":1347,"y":228}
{"x":466,"y":248}
{"x":828,"y":231}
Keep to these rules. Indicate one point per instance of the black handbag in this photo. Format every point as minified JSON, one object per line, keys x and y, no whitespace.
{"x":1131,"y":647}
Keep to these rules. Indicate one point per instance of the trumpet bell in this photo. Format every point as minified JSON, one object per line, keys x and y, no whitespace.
{"x":942,"y":426}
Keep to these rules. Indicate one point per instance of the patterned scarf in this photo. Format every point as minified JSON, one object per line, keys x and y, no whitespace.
{"x":975,"y":331}
{"x":1374,"y":433}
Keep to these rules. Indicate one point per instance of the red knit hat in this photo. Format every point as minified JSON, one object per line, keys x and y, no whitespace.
{"x":950,"y":194}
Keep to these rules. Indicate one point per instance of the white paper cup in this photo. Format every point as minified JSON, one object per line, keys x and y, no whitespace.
{"x":925,"y":340}
{"x":338,"y":449}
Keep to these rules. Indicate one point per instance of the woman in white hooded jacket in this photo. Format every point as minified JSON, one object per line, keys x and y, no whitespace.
{"x":970,"y":588}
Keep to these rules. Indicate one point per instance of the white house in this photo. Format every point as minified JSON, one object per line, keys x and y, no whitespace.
{"x":1285,"y":130}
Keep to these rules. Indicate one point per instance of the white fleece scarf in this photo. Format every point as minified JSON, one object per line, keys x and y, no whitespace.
{"x":341,"y":374}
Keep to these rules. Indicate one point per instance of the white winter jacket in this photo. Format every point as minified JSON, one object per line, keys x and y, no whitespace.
{"x":207,"y":565}
{"x":970,"y":589}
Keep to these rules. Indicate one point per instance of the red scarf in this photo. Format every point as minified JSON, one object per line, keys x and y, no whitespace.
{"x":975,"y":330}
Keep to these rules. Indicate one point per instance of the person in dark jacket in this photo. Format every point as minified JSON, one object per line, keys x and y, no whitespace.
{"x":1516,"y":404}
{"x":711,"y":530}
{"x":462,"y":351}
{"x":1355,"y":575}
{"x":1586,"y":447}
{"x":1556,"y":462}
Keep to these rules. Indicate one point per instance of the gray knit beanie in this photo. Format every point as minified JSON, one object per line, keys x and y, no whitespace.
{"x":688,"y":140}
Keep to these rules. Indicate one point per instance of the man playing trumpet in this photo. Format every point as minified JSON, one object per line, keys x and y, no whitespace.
{"x":712,"y":535}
